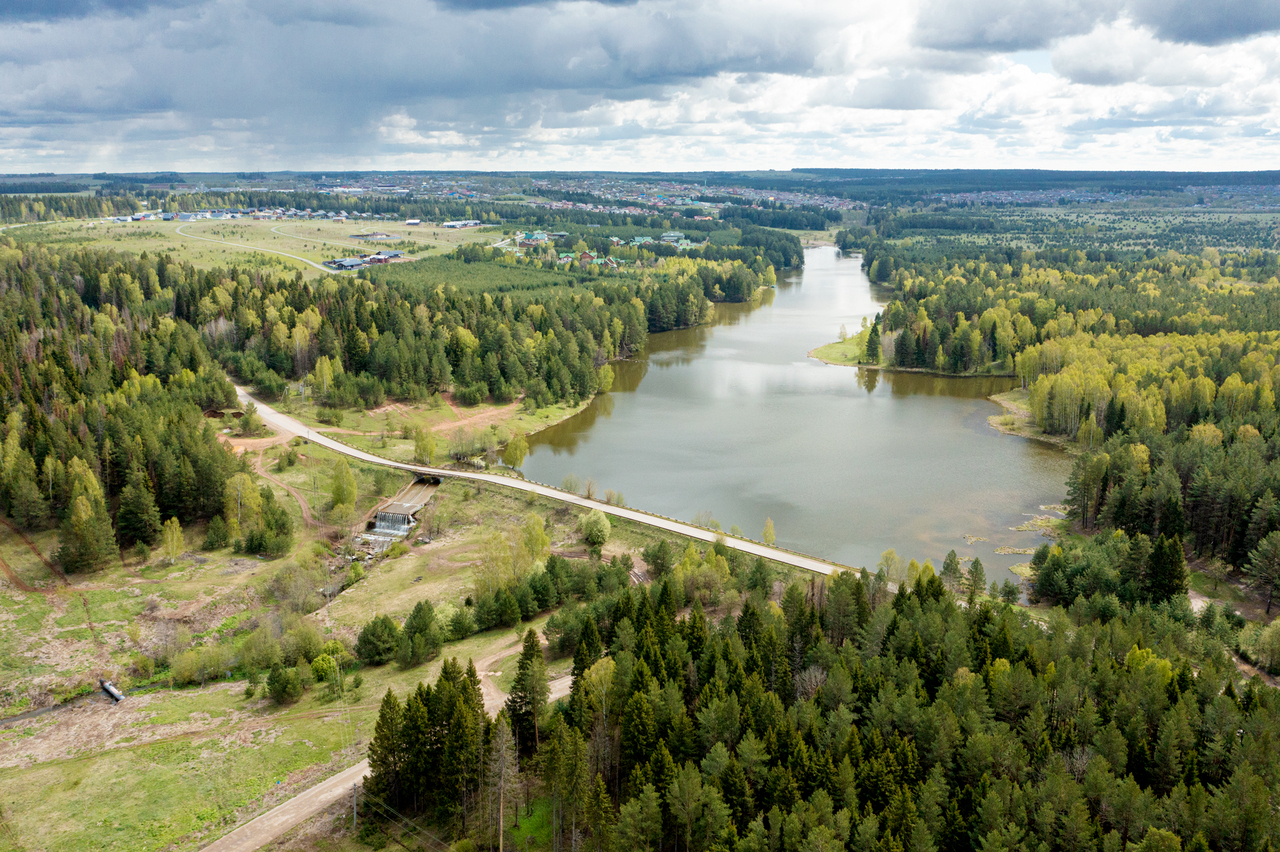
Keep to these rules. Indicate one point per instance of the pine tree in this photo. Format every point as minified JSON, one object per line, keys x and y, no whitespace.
{"x":873,"y":345}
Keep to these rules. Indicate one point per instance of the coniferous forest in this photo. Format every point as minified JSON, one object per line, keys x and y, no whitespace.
{"x":850,"y":717}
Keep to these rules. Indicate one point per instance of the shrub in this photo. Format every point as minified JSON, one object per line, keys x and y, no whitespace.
{"x":595,"y":529}
{"x":324,"y":668}
{"x":260,"y":650}
{"x":302,"y":642}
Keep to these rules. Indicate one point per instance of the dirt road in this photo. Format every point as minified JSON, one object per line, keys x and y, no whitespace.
{"x":275,"y":822}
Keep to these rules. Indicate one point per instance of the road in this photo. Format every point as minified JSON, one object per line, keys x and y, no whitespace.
{"x":276,"y":230}
{"x":285,"y":423}
{"x":254,"y":248}
{"x":275,"y":822}
{"x":272,"y":824}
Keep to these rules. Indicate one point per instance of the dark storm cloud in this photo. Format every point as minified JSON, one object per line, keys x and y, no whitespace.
{"x":53,"y":10}
{"x":510,"y":4}
{"x":1208,"y":23}
{"x":1009,"y":25}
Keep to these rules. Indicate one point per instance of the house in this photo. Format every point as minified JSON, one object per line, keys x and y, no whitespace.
{"x":586,"y":257}
{"x":413,"y":221}
{"x":345,"y":263}
{"x":672,"y":237}
{"x":463,"y":223}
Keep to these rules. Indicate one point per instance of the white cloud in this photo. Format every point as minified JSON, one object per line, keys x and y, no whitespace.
{"x":651,"y":84}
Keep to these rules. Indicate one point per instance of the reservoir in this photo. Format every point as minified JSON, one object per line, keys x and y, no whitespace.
{"x":733,"y":419}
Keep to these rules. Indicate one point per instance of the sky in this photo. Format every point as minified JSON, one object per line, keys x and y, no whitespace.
{"x":234,"y":85}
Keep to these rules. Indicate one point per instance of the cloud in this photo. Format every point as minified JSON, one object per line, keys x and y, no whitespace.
{"x":1005,"y":25}
{"x":1012,"y":25}
{"x":1209,"y":23}
{"x":52,"y":10}
{"x":643,"y":84}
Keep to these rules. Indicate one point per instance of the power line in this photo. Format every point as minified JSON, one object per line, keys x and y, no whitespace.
{"x":426,"y":837}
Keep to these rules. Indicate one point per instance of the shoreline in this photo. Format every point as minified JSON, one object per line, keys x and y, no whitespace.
{"x":1016,"y":419}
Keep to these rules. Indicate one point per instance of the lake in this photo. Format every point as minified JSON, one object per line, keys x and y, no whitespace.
{"x":734,"y":419}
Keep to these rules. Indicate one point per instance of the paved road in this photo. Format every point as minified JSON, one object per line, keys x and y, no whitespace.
{"x":285,"y":423}
{"x":275,"y":822}
{"x":253,"y":248}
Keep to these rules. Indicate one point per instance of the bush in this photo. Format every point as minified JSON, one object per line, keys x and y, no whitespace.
{"x":595,"y":529}
{"x":354,"y":575}
{"x":302,"y":642}
{"x":144,"y":668}
{"x":324,"y":668}
{"x":260,"y":650}
{"x":378,"y":641}
{"x":283,"y":685}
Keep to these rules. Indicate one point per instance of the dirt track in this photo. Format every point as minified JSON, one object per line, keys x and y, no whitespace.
{"x":275,"y":822}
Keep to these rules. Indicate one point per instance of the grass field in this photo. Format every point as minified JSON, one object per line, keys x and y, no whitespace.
{"x":175,"y":768}
{"x":248,"y":243}
{"x":849,"y":351}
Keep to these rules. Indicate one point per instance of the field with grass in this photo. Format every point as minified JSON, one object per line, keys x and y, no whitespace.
{"x":177,"y":767}
{"x":847,"y":352}
{"x":281,"y":246}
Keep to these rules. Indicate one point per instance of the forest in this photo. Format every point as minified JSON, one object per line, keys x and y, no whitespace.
{"x":112,"y":361}
{"x":1160,"y":365}
{"x":104,"y":395}
{"x":849,"y":717}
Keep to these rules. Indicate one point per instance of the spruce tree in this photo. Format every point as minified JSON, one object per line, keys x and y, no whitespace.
{"x":529,"y":691}
{"x":1167,"y":574}
{"x":386,"y":750}
{"x":88,"y":542}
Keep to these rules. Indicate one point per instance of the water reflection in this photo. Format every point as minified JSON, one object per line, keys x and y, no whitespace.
{"x":847,"y":462}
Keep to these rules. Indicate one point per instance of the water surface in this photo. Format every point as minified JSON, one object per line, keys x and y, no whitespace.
{"x":734,"y":419}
